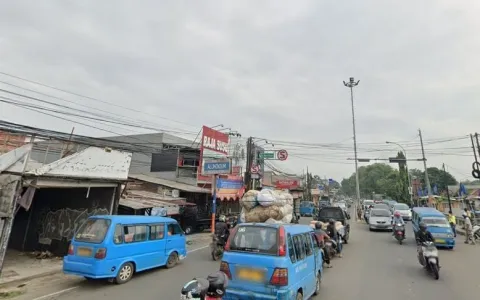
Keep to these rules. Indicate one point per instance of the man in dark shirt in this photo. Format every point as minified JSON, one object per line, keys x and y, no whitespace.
{"x":322,"y":237}
{"x":221,"y":229}
{"x":333,"y":234}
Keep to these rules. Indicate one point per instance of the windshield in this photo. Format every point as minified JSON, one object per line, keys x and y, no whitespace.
{"x":368,"y":202}
{"x":256,"y":239}
{"x":306,"y":204}
{"x":331,"y":214}
{"x":401,"y":207}
{"x":381,"y":206}
{"x":436,"y":222}
{"x":379,"y":213}
{"x":93,"y":231}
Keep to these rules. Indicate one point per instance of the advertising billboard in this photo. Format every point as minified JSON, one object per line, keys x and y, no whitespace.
{"x":287,"y":184}
{"x":214,"y":145}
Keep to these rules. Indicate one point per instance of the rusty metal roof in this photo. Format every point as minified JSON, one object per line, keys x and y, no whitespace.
{"x":91,"y":163}
{"x":151,"y":195}
{"x":137,"y":203}
{"x":171,"y":184}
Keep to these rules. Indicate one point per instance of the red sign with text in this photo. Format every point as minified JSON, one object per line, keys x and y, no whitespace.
{"x":214,"y":145}
{"x":287,"y":184}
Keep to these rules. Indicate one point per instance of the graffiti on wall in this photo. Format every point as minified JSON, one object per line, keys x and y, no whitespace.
{"x":63,"y":223}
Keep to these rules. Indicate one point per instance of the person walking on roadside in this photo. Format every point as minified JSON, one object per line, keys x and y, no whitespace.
{"x":468,"y":230}
{"x":453,"y":223}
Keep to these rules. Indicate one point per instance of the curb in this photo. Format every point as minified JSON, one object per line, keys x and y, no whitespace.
{"x":28,"y":278}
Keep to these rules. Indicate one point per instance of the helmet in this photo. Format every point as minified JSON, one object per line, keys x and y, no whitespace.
{"x":397,"y":214}
{"x":331,"y":222}
{"x":195,"y":289}
{"x":218,"y":283}
{"x":318,"y":225}
{"x":422,"y":226}
{"x":222,"y":218}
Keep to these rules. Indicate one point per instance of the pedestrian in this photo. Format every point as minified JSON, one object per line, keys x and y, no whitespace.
{"x":468,"y":230}
{"x":453,"y":223}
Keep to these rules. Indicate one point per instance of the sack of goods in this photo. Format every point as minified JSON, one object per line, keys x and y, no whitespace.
{"x":338,"y":225}
{"x":266,"y":206}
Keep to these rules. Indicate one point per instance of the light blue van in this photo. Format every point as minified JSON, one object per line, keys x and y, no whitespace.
{"x":115,"y":247}
{"x":272,"y":261}
{"x":307,"y":208}
{"x":436,"y":223}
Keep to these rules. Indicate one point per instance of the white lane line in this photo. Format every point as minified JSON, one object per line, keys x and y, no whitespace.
{"x":76,"y":287}
{"x":56,"y":293}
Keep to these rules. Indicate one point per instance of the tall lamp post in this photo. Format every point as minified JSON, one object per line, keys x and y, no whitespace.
{"x":351,"y":84}
{"x":410,"y":188}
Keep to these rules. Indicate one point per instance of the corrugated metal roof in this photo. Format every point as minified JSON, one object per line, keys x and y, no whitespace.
{"x":145,"y":203}
{"x":171,"y":184}
{"x":7,"y":160}
{"x":92,"y":163}
{"x":155,"y":196}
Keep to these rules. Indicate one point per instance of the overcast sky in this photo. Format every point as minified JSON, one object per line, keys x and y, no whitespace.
{"x":270,"y":69}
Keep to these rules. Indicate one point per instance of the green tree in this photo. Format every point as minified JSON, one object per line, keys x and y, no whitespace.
{"x":436,"y":176}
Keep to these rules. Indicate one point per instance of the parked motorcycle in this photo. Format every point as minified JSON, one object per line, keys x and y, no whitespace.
{"x":212,"y":287}
{"x":399,"y":232}
{"x":217,"y":246}
{"x":428,"y":258}
{"x":476,"y":232}
{"x":330,"y":248}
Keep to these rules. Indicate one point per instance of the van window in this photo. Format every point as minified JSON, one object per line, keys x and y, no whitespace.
{"x":331,"y":213}
{"x":299,"y":247}
{"x":118,"y":235}
{"x":93,"y":231}
{"x":157,"y":232}
{"x":257,"y":239}
{"x":137,"y":233}
{"x":316,"y":244}
{"x":308,"y":244}
{"x":174,"y":228}
{"x":291,"y":250}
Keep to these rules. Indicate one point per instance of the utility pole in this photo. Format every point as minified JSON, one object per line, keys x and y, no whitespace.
{"x":427,"y":180}
{"x":351,"y":84}
{"x":446,"y":187}
{"x":248,"y":168}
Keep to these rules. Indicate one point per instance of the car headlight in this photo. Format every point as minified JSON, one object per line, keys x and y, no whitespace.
{"x":449,"y":235}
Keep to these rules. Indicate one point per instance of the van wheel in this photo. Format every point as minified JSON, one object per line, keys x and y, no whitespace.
{"x":318,"y":284}
{"x":299,"y":296}
{"x":172,"y":260}
{"x":125,"y":273}
{"x":188,"y":230}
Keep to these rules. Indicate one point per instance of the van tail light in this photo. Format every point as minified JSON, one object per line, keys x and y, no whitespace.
{"x":282,"y":242}
{"x":279,"y":277}
{"x":70,"y":250}
{"x":231,"y":236}
{"x":101,"y":253}
{"x":225,"y":268}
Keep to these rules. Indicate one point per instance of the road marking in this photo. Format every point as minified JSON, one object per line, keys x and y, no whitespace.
{"x":76,"y":287}
{"x":57,"y":293}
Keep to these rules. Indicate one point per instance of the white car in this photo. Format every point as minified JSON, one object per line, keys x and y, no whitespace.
{"x":404,"y":211}
{"x":380,"y":219}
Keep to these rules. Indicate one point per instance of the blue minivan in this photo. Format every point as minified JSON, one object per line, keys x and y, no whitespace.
{"x":307,"y":208}
{"x":272,"y":261}
{"x":115,"y":247}
{"x":436,"y":223}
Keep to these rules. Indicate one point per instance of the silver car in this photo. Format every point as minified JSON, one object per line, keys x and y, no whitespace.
{"x":380,"y":219}
{"x":404,"y":211}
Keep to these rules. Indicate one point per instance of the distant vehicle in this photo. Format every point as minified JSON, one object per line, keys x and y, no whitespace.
{"x":342,"y":205}
{"x":338,"y":214}
{"x":324,"y":201}
{"x":380,"y":219}
{"x":404,"y":211}
{"x":307,"y":208}
{"x":116,"y":247}
{"x":381,"y":206}
{"x":367,"y":203}
{"x":272,"y":261}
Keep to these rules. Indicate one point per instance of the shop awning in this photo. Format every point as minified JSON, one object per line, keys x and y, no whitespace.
{"x":171,"y":184}
{"x":228,"y":197}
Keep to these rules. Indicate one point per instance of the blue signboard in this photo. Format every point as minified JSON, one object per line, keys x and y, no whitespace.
{"x":229,"y":184}
{"x":217,"y":167}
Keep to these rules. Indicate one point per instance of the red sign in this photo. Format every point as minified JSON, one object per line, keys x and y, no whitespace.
{"x":214,"y":145}
{"x":282,"y":155}
{"x":236,"y":170}
{"x":255,"y":169}
{"x":287,"y":184}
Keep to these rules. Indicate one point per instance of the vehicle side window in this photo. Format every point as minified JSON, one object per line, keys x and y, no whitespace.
{"x":174,"y":229}
{"x":291,"y":249}
{"x":316,"y":243}
{"x":157,"y":232}
{"x":118,"y":235}
{"x":299,"y":247}
{"x":307,"y":240}
{"x":137,"y":233}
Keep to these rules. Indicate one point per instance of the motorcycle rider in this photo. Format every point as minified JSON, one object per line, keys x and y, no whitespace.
{"x":221,"y":229}
{"x":334,"y":235}
{"x":322,"y":237}
{"x":397,"y":219}
{"x":423,"y":236}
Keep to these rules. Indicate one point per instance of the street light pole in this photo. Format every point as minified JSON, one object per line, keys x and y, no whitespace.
{"x":410,"y":188}
{"x":351,"y":84}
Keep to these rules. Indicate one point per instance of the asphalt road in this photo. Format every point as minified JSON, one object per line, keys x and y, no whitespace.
{"x":374,"y":267}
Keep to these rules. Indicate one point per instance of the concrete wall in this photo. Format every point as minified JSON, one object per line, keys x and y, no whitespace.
{"x":54,"y":217}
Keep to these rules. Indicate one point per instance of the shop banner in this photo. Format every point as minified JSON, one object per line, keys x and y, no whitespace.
{"x":214,"y":145}
{"x":230,"y":188}
{"x":287,"y":184}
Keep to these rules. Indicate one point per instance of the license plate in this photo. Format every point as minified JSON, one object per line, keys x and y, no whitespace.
{"x":440,"y":241}
{"x":250,"y":275}
{"x":84,"y":252}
